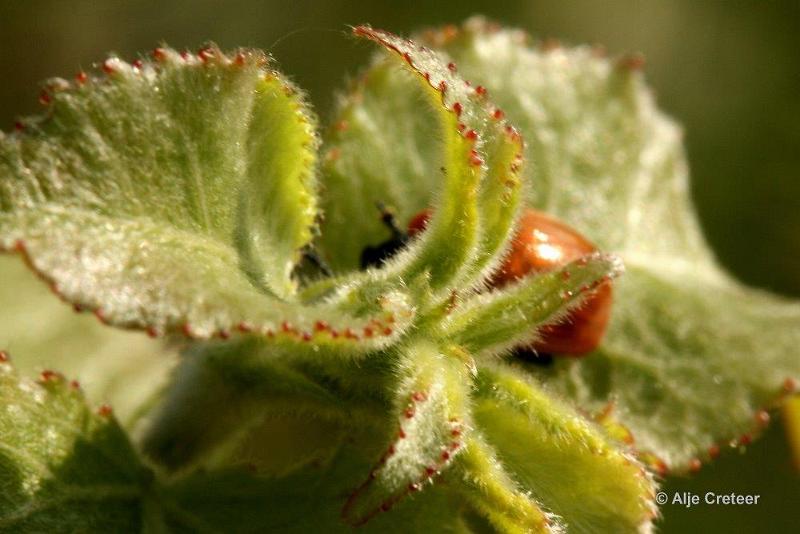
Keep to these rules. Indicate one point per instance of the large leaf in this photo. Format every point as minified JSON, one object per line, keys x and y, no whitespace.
{"x":172,"y":195}
{"x":688,"y":348}
{"x":62,"y":467}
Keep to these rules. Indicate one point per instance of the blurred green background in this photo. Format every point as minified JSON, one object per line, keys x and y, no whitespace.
{"x":728,"y":70}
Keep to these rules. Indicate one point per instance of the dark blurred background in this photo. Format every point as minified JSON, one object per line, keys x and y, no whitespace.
{"x":728,"y":70}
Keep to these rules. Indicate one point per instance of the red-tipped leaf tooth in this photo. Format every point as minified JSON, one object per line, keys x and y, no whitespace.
{"x":206,"y":53}
{"x":159,"y":54}
{"x":632,"y":62}
{"x":111,"y":65}
{"x":789,"y":385}
{"x":695,"y":465}
{"x":549,"y":44}
{"x":49,"y":376}
{"x":762,"y":418}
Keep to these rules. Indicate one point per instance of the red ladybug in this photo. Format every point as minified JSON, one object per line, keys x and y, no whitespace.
{"x":543,"y":243}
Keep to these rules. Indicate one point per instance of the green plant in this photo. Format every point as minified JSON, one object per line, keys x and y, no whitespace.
{"x":175,"y":195}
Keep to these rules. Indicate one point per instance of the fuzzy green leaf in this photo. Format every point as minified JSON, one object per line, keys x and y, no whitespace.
{"x":567,"y":465}
{"x":62,"y":467}
{"x":501,"y":320}
{"x":173,"y":195}
{"x":227,"y":170}
{"x":432,"y":420}
{"x":687,"y":346}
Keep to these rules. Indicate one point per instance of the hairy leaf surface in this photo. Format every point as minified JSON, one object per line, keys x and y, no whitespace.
{"x":63,"y":467}
{"x":432,"y":422}
{"x":172,"y":195}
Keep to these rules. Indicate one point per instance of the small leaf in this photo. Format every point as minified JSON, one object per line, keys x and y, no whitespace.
{"x":564,"y":462}
{"x":503,"y":319}
{"x":431,"y":410}
{"x":687,"y":347}
{"x":62,"y":467}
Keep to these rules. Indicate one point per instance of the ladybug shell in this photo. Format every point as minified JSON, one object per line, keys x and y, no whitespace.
{"x":543,"y":243}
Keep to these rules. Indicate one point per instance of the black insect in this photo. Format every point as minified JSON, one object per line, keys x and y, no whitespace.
{"x":379,"y":254}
